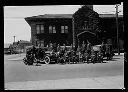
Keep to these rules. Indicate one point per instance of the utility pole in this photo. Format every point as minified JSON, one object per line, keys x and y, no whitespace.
{"x":14,"y":38}
{"x":118,"y":48}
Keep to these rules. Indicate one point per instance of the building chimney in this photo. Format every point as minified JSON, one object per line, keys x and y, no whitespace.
{"x":89,"y":6}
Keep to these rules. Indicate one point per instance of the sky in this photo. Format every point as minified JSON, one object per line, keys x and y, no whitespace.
{"x":15,"y":25}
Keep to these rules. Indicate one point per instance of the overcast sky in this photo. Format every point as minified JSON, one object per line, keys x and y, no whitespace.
{"x":15,"y":25}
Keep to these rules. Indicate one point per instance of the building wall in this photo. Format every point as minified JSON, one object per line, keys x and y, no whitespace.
{"x":33,"y":32}
{"x":110,"y":31}
{"x":85,"y":19}
{"x":57,"y":37}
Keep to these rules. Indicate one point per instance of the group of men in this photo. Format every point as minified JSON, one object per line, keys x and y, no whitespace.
{"x":56,"y":47}
{"x":84,"y":48}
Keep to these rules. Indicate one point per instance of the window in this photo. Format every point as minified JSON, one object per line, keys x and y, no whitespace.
{"x":42,"y":28}
{"x":39,"y":28}
{"x":64,"y":29}
{"x":85,"y":26}
{"x":52,"y":29}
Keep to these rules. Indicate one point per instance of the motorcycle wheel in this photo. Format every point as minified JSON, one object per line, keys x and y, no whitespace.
{"x":47,"y":60}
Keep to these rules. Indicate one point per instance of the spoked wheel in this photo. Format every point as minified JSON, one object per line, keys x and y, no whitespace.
{"x":47,"y":60}
{"x":25,"y":61}
{"x":35,"y":60}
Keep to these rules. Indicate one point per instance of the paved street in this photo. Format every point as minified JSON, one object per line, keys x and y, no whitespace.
{"x":54,"y":76}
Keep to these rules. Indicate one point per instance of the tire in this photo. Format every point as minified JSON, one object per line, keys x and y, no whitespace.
{"x":29,"y":63}
{"x":25,"y":61}
{"x":47,"y":59}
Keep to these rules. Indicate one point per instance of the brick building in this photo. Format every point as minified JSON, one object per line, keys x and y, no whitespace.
{"x":66,"y":28}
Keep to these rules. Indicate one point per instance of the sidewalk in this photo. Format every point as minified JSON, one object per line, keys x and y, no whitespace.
{"x":15,"y":57}
{"x":113,"y":82}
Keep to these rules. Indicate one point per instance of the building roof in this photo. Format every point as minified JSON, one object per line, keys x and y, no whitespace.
{"x":53,"y":16}
{"x":109,"y":16}
{"x":70,"y":16}
{"x":23,"y":41}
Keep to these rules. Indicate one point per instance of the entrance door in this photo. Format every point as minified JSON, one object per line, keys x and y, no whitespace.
{"x":87,"y":36}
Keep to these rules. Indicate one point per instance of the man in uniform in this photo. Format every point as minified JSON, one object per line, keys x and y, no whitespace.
{"x":83,"y":48}
{"x":50,"y":46}
{"x":58,"y":48}
{"x":65,"y":48}
{"x":108,"y":51}
{"x":103,"y":48}
{"x":54,"y":47}
{"x":89,"y":47}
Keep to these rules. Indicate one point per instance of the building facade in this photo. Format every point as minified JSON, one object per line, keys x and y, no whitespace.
{"x":66,"y":28}
{"x":51,"y":28}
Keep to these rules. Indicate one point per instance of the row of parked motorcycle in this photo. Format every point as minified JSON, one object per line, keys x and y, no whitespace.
{"x":39,"y":55}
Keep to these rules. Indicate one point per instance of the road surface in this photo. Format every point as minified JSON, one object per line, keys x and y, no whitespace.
{"x":16,"y":71}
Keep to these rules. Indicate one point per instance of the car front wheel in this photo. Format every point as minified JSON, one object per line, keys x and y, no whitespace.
{"x":47,"y":60}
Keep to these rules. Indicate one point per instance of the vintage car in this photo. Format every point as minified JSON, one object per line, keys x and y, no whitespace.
{"x":98,"y":54}
{"x":95,"y":56}
{"x":51,"y":57}
{"x":36,"y":55}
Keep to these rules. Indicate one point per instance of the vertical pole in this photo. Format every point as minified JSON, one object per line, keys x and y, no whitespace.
{"x":14,"y":38}
{"x":73,"y":31}
{"x":123,"y":26}
{"x":117,"y":29}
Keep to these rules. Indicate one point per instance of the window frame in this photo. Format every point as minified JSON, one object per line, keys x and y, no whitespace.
{"x":39,"y":30}
{"x":52,"y":29}
{"x":64,"y":29}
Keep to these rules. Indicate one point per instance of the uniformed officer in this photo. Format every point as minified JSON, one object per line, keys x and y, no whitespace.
{"x":50,"y":46}
{"x":65,"y":48}
{"x":89,"y":47}
{"x":108,"y":51}
{"x":33,"y":49}
{"x":54,"y":47}
{"x":71,"y":48}
{"x":103,"y":48}
{"x":83,"y":48}
{"x":58,"y":48}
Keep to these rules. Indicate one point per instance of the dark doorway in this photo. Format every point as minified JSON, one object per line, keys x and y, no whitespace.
{"x":86,"y":35}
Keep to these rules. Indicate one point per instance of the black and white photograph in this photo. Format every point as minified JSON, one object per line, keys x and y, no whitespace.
{"x":64,"y":47}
